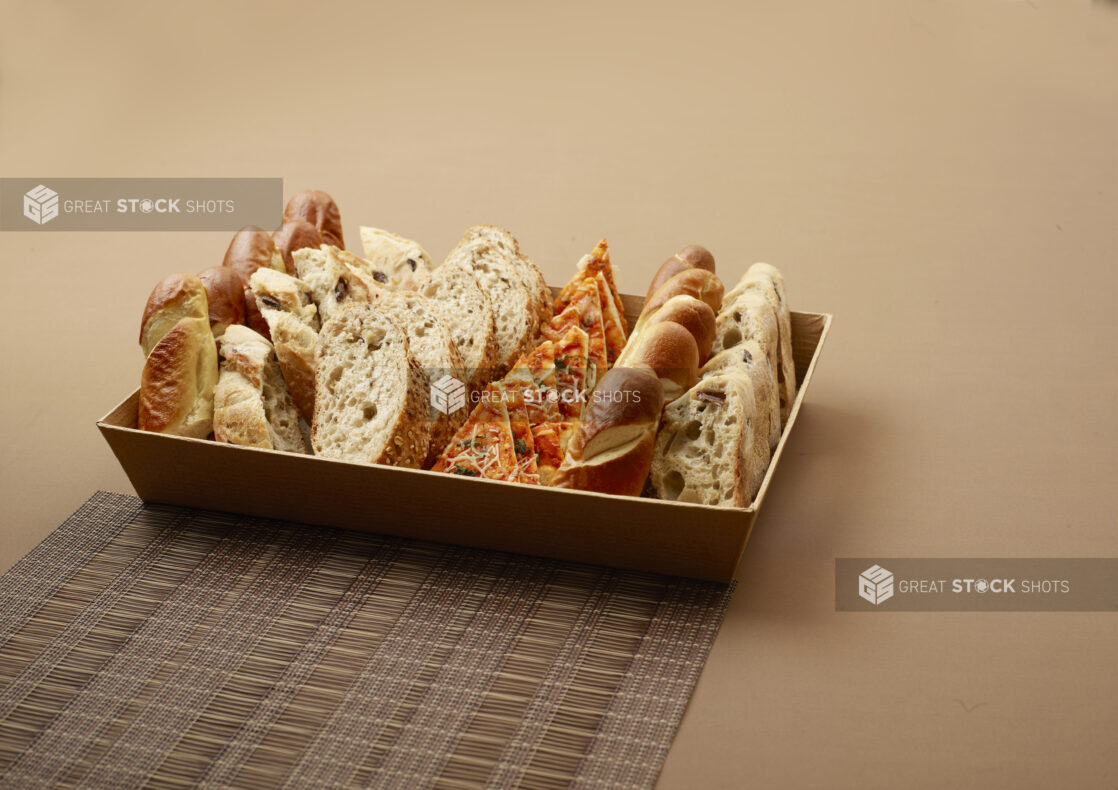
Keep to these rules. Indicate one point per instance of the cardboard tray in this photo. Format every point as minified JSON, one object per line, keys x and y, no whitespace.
{"x":675,"y":538}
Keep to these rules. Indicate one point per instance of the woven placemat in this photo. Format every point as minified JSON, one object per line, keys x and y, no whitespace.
{"x":158,"y":646}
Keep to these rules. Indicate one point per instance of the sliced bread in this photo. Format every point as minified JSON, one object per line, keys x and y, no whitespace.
{"x":706,"y":451}
{"x":495,"y":263}
{"x":331,"y":282}
{"x":370,"y":394}
{"x":292,"y":318}
{"x":468,"y":314}
{"x":252,"y":405}
{"x":748,"y":359}
{"x":396,"y":263}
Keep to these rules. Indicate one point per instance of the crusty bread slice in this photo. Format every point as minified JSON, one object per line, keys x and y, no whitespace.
{"x":748,"y":359}
{"x":370,"y":394}
{"x":433,"y":348}
{"x":531,"y":275}
{"x":252,"y":405}
{"x":751,"y":317}
{"x":331,"y":282}
{"x":402,"y":263}
{"x":766,"y":280}
{"x":468,"y":314}
{"x":495,"y":263}
{"x":706,"y":450}
{"x":292,"y":318}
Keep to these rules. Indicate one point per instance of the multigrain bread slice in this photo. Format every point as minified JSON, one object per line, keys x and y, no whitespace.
{"x":748,"y":359}
{"x":765,"y":279}
{"x":531,"y":275}
{"x":332,"y":282}
{"x":433,"y":348}
{"x":292,"y":318}
{"x":468,"y":314}
{"x":402,"y":263}
{"x":370,"y":394}
{"x":495,"y":263}
{"x":252,"y":405}
{"x":706,"y":451}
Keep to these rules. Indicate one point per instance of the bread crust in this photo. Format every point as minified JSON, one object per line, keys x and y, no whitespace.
{"x":225,"y":296}
{"x":671,"y":352}
{"x":177,"y":382}
{"x":320,"y":210}
{"x":611,"y":449}
{"x":174,"y":297}
{"x":293,"y":235}
{"x":690,"y":257}
{"x":457,"y":293}
{"x":252,"y":248}
{"x":693,"y":315}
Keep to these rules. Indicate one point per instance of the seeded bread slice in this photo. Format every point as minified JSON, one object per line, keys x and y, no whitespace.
{"x":749,"y":360}
{"x":468,"y":314}
{"x":494,"y":261}
{"x":332,"y":283}
{"x":252,"y":405}
{"x":530,"y":273}
{"x":370,"y":394}
{"x":433,"y":348}
{"x":402,"y":263}
{"x":705,"y":451}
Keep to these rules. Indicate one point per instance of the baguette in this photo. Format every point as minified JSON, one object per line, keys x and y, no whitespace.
{"x":370,"y":393}
{"x":751,"y":317}
{"x":611,"y":449}
{"x":252,"y":406}
{"x":180,"y":368}
{"x":766,"y":280}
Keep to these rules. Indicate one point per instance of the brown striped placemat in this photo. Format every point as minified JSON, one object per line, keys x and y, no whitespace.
{"x":157,"y":646}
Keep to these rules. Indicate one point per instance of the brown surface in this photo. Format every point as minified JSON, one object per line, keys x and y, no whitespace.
{"x":941,"y":177}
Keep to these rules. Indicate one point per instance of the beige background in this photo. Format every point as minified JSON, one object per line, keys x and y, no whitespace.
{"x":941,"y":176}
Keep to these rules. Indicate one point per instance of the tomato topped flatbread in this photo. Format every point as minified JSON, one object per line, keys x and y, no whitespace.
{"x":484,"y":446}
{"x":570,"y":371}
{"x":524,"y":447}
{"x":585,"y":311}
{"x":594,"y":263}
{"x":613,"y":322}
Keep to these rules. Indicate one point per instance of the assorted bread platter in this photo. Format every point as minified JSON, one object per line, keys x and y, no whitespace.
{"x":474,"y":367}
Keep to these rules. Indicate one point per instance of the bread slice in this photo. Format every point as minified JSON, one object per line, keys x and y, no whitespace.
{"x":748,"y":359}
{"x":468,"y":314}
{"x":370,"y":394}
{"x":531,"y":275}
{"x":706,"y":450}
{"x":252,"y":405}
{"x":433,"y":348}
{"x":494,"y":261}
{"x":767,"y":281}
{"x":292,"y":318}
{"x":402,"y":263}
{"x":749,"y":316}
{"x":331,"y":282}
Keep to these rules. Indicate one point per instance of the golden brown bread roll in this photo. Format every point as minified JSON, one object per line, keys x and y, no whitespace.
{"x":670,"y":351}
{"x":690,"y":257}
{"x":295,"y":234}
{"x":177,"y":382}
{"x":693,"y":315}
{"x":250,"y":249}
{"x":225,"y":294}
{"x":320,"y":210}
{"x":175,"y":296}
{"x":699,"y":283}
{"x":611,"y":449}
